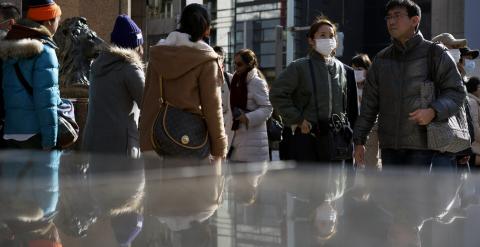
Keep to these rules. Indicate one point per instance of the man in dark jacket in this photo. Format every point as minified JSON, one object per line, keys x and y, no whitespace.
{"x":392,"y":91}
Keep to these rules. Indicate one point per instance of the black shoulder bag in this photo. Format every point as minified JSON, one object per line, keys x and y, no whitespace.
{"x":177,"y":133}
{"x":340,"y":135}
{"x":68,"y":129}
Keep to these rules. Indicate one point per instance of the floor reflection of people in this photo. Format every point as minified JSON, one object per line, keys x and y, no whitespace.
{"x":180,"y":204}
{"x":244,"y":185}
{"x":314,"y":203}
{"x":102,"y":202}
{"x":28,"y":199}
{"x":414,"y":200}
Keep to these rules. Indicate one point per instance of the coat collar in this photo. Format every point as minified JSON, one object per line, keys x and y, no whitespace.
{"x":182,"y":39}
{"x":128,"y":55}
{"x":410,"y":44}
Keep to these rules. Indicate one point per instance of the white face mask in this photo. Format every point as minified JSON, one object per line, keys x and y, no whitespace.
{"x":469,"y":66}
{"x":3,"y":34}
{"x":325,"y":46}
{"x":456,"y":55}
{"x":359,"y":75}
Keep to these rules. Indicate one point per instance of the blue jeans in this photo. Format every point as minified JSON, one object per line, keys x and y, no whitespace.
{"x":427,"y":159}
{"x":407,"y":158}
{"x":444,"y":162}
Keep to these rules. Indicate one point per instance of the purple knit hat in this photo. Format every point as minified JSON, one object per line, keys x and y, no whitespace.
{"x":126,"y":33}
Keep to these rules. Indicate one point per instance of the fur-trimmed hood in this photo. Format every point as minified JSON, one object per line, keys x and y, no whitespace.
{"x":18,"y":49}
{"x":177,"y":55}
{"x":26,"y":39}
{"x":182,"y":39}
{"x":112,"y":56}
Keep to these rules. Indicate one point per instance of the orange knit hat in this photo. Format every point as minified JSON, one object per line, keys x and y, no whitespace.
{"x":43,"y":10}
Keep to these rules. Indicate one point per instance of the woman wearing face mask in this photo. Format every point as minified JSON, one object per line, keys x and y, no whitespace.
{"x":361,"y":63}
{"x":250,"y":109}
{"x":467,"y":61}
{"x":305,"y":110}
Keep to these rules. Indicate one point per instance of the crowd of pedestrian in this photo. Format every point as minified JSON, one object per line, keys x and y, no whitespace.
{"x":374,"y":113}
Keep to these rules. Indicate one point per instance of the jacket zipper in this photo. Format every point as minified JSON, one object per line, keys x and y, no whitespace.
{"x":402,"y":66}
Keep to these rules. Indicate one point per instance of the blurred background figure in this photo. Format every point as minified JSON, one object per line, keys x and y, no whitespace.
{"x":227,"y":111}
{"x":251,"y":109}
{"x":9,"y":14}
{"x":473,"y":88}
{"x":361,"y":63}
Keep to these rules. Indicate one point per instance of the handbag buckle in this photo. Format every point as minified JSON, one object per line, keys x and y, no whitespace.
{"x":185,"y":140}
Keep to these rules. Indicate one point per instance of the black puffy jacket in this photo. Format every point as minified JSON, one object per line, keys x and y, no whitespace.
{"x":392,"y":91}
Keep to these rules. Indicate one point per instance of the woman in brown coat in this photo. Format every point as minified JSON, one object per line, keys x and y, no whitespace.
{"x":191,"y":79}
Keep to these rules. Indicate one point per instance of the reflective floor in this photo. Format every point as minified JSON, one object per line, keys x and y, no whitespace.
{"x":48,"y":199}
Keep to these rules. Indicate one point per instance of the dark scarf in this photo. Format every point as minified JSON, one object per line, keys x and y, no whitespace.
{"x":239,"y":92}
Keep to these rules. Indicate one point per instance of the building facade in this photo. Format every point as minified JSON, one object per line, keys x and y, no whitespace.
{"x":238,"y":24}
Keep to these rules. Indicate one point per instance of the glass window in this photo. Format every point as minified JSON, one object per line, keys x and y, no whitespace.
{"x":270,"y":14}
{"x":269,"y":34}
{"x":267,"y":61}
{"x":239,"y":37}
{"x":267,"y":48}
{"x":248,"y":16}
{"x":270,"y":23}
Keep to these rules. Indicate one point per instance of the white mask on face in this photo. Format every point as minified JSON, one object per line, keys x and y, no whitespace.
{"x":469,"y":66}
{"x":359,"y":75}
{"x":325,"y":46}
{"x":3,"y":34}
{"x":456,"y":55}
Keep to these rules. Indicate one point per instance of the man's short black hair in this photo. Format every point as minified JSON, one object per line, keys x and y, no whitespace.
{"x":9,"y":11}
{"x":412,"y":8}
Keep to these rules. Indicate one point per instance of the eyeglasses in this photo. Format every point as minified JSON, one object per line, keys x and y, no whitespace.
{"x":394,"y":17}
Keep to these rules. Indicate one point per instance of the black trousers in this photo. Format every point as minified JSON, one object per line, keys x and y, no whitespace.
{"x":35,"y":143}
{"x":304,"y":147}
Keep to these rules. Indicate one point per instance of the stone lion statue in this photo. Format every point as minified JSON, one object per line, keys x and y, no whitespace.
{"x":78,"y":46}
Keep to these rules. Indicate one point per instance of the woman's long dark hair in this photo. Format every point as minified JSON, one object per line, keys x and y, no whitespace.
{"x":195,"y":21}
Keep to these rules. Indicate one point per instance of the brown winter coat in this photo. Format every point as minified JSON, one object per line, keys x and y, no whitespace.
{"x":192,"y":78}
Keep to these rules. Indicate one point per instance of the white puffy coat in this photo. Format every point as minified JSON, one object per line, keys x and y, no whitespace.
{"x":251,"y":145}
